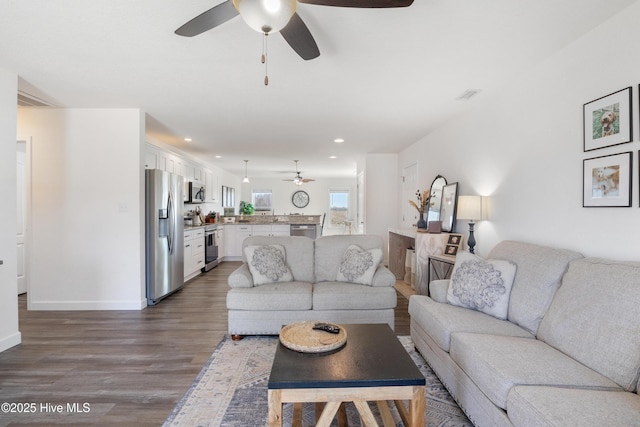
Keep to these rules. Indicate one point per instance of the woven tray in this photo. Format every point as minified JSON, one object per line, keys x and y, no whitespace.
{"x":302,"y":337}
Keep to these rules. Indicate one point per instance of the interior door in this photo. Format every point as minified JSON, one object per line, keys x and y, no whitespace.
{"x":410,"y":216}
{"x":361,"y":195}
{"x":21,"y":169}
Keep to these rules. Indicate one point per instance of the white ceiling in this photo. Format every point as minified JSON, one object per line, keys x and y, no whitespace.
{"x":385,"y":77}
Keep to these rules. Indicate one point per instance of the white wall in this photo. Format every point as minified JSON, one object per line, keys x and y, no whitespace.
{"x":381,"y":209}
{"x":9,"y":333}
{"x":318,"y":191}
{"x":87,"y":208}
{"x":523,"y":146}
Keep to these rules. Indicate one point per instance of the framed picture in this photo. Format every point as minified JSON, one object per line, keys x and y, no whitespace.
{"x":607,"y":181}
{"x":454,"y":239}
{"x":607,"y":120}
{"x":448,"y":207}
{"x":451,"y":250}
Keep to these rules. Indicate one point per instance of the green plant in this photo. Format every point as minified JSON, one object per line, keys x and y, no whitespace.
{"x":247,"y":208}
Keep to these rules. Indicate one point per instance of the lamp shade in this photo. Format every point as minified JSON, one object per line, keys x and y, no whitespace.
{"x":266,"y":16}
{"x":470,"y":208}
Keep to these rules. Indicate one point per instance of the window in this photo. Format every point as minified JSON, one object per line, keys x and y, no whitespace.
{"x":338,"y":207}
{"x":261,"y":200}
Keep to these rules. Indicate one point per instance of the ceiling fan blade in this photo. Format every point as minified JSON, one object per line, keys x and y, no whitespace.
{"x":300,"y":39}
{"x":210,"y":19}
{"x":360,"y":3}
{"x":307,"y":180}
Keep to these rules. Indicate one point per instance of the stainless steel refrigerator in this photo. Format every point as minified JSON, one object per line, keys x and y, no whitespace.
{"x":164,"y":234}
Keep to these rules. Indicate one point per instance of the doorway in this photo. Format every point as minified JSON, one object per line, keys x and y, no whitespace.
{"x":23,"y":151}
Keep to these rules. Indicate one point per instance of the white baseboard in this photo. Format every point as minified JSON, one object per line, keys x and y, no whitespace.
{"x":10,"y":341}
{"x":87,"y":305}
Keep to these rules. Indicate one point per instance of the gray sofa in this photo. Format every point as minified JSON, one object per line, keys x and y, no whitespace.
{"x":568,"y":353}
{"x":314,"y":293}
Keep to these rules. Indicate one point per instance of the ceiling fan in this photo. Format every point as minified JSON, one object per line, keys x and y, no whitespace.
{"x":298,"y":179}
{"x":267,"y":16}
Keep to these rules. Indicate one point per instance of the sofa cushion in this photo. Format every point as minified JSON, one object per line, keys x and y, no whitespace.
{"x":498,"y":363}
{"x":267,"y":264}
{"x":595,"y":319}
{"x":441,"y":320}
{"x":330,"y":249}
{"x":538,"y":276}
{"x":350,"y":296}
{"x":272,"y":297}
{"x":358,"y":265}
{"x":556,"y":406}
{"x":240,"y":277}
{"x":482,"y":285}
{"x":299,"y":253}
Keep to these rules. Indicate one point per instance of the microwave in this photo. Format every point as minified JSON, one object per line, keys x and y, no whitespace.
{"x":193,"y":192}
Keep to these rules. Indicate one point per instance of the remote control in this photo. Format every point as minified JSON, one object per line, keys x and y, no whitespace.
{"x":332,"y":329}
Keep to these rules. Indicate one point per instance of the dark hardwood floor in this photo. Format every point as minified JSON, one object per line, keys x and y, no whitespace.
{"x":129,"y":367}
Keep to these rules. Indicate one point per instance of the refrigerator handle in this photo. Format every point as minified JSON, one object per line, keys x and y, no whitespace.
{"x":170,"y":236}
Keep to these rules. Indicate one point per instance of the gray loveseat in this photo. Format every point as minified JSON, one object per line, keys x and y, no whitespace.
{"x":568,"y":353}
{"x":314,"y":291}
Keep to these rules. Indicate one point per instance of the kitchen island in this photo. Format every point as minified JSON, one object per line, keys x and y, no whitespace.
{"x":239,"y":227}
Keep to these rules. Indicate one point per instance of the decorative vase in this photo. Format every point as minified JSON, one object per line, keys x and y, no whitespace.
{"x":421,"y":222}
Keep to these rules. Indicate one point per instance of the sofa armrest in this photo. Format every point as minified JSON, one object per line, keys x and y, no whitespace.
{"x":438,"y":290}
{"x":383,"y":277}
{"x":241,"y":277}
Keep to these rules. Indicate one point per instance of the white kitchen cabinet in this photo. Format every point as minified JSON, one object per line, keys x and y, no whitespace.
{"x":193,"y":252}
{"x":236,"y":233}
{"x":280,"y":230}
{"x":221,"y":242}
{"x":211,"y":185}
{"x":193,"y":172}
{"x":229,"y":243}
{"x":154,"y":158}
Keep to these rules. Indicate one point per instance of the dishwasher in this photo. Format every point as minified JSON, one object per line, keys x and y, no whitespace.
{"x":307,"y":230}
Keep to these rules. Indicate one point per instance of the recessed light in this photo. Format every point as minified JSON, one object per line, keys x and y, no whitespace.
{"x":332,"y":157}
{"x":338,"y":140}
{"x":188,"y":139}
{"x":218,"y":156}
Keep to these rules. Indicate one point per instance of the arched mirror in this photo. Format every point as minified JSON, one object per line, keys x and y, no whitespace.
{"x":436,"y":198}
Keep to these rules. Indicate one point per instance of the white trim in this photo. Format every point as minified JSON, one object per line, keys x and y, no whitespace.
{"x":10,"y":341}
{"x":88,"y":305}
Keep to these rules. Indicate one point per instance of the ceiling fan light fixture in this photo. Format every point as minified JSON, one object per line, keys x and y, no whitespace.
{"x":266,"y":16}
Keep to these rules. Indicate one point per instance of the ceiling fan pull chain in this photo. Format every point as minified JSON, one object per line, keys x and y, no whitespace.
{"x":264,"y":58}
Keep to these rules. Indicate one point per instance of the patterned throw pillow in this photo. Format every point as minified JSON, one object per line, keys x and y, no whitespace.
{"x":267,"y":264}
{"x":358,"y":265}
{"x":482,"y":285}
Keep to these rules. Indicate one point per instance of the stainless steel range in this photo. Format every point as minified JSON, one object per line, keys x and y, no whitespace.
{"x":210,"y":247}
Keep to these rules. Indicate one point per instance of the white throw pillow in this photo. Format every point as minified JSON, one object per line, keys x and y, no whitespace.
{"x":482,"y":285}
{"x":358,"y":265}
{"x":267,"y":264}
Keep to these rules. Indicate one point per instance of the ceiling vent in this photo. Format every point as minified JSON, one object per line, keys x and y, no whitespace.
{"x":468,"y":94}
{"x":28,"y":100}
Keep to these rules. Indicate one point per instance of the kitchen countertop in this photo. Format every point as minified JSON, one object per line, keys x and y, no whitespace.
{"x":275,"y":219}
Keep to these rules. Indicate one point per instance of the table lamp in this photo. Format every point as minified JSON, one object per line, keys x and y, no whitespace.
{"x":470,"y":208}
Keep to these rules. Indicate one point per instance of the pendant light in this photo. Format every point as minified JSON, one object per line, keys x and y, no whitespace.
{"x":245,"y":180}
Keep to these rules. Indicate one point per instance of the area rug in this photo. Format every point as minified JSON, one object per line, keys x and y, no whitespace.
{"x":231,"y":390}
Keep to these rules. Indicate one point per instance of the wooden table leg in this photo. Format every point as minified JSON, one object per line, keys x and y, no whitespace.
{"x":342,"y":416}
{"x":328,"y":414}
{"x":385,"y":413}
{"x":296,"y":418}
{"x":365,"y":413}
{"x":417,"y":407}
{"x":274,"y":398}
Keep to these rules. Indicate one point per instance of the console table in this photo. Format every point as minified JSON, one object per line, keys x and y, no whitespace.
{"x":441,"y":265}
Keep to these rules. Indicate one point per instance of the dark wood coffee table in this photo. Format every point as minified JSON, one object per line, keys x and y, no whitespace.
{"x":372,"y":366}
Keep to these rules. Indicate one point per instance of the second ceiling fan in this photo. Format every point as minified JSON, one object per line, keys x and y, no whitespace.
{"x":298,"y":179}
{"x":267,"y":16}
